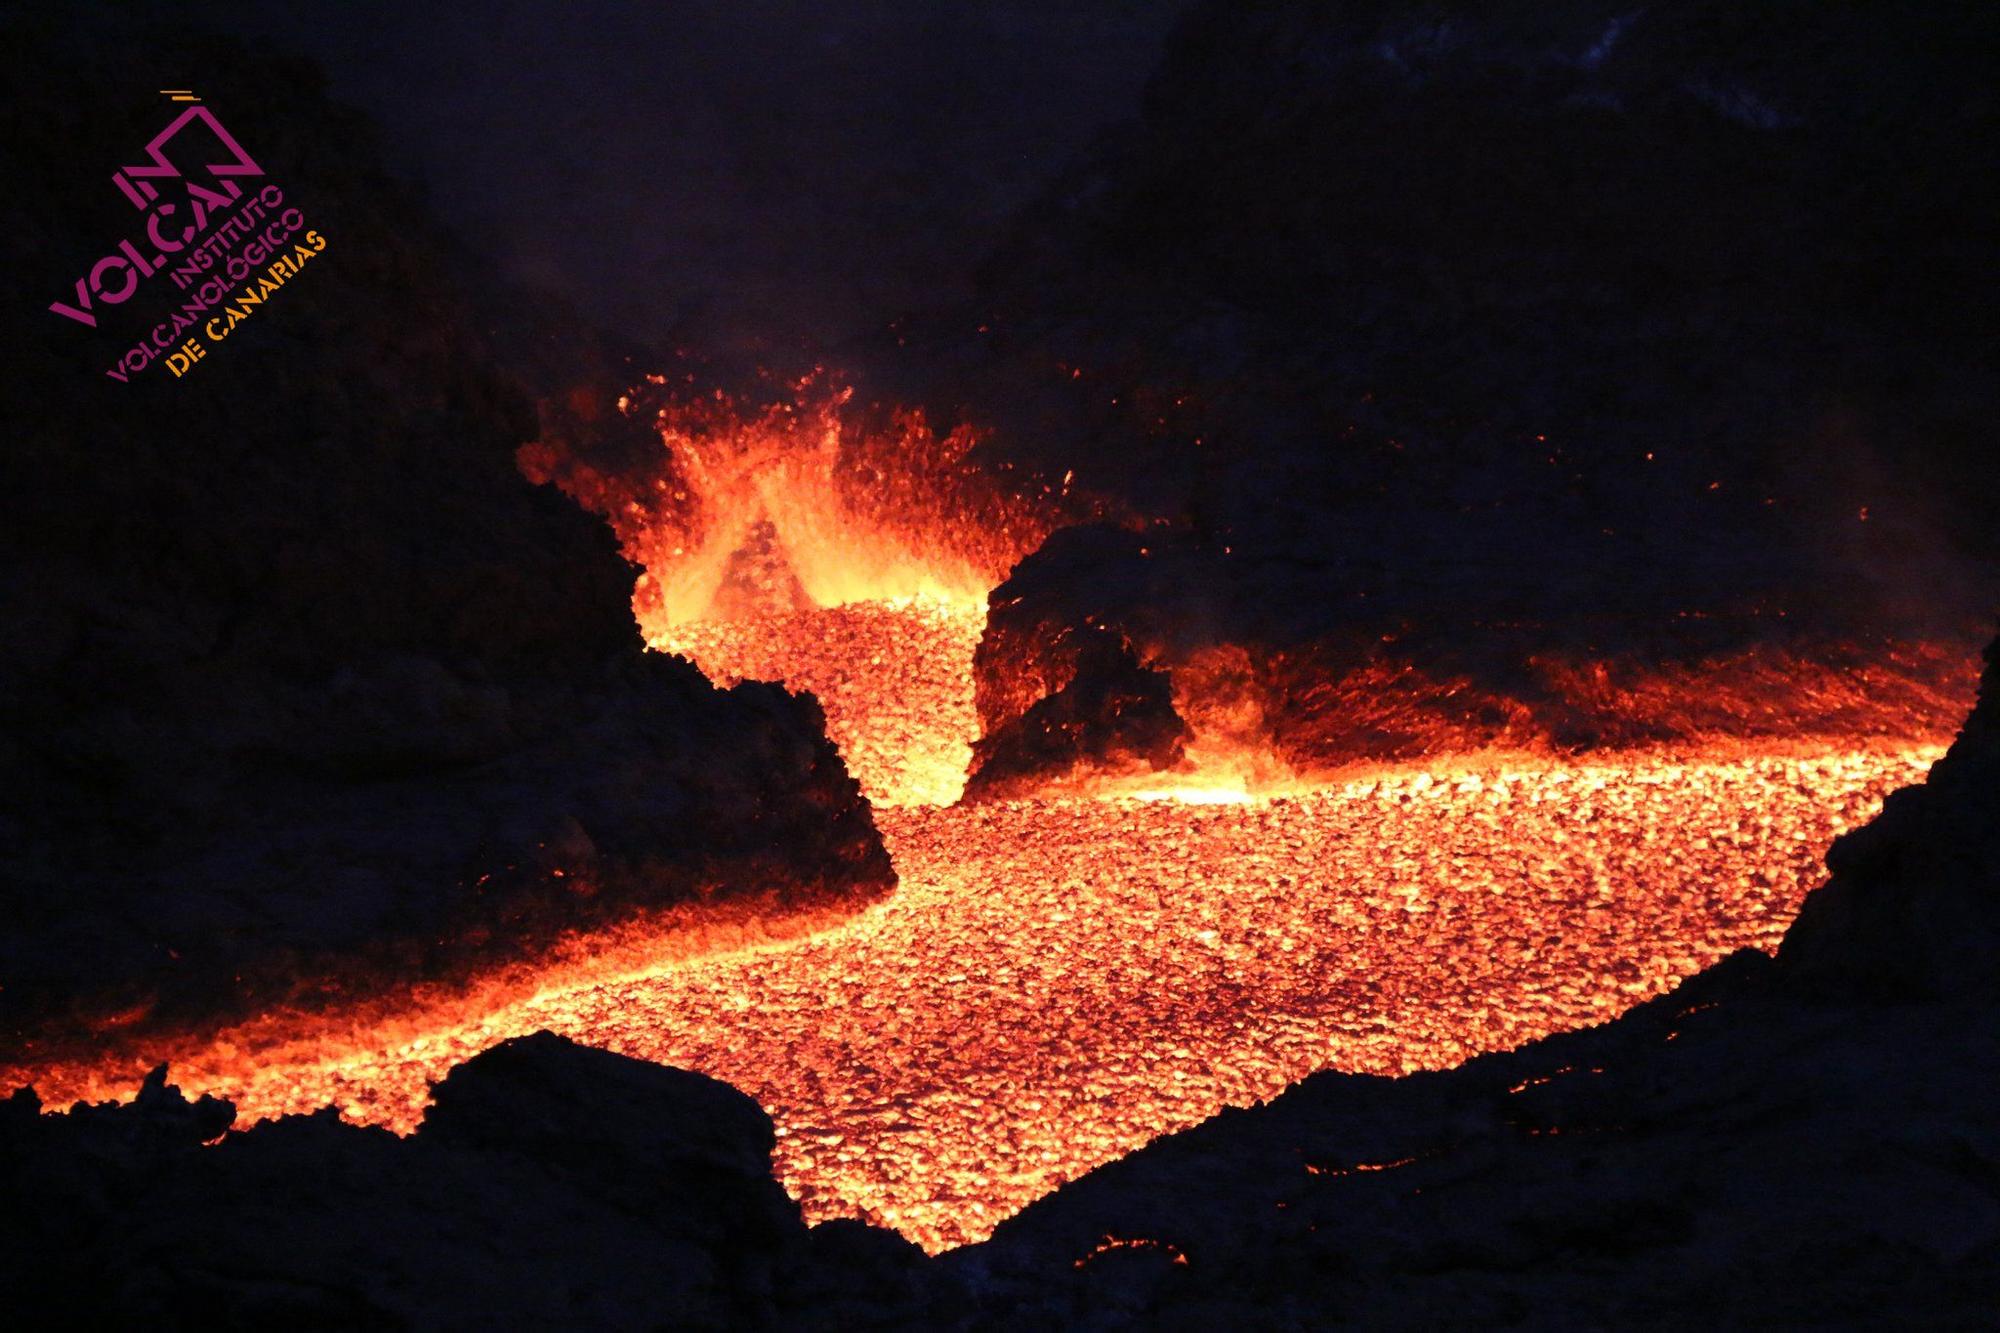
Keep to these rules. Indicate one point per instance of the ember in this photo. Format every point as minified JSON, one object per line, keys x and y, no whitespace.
{"x":805,"y":501}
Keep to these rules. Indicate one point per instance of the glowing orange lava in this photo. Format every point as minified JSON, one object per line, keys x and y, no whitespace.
{"x":1059,"y":980}
{"x":895,"y":679}
{"x":807,"y":501}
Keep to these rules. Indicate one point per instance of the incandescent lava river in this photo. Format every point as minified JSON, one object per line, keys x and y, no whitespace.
{"x":1059,"y":980}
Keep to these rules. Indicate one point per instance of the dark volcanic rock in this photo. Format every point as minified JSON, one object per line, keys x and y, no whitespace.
{"x":1770,"y":1144}
{"x":1636,"y":308}
{"x":293,"y":660}
{"x":1453,"y":337}
{"x":1912,"y":910}
{"x":1263,"y":655}
{"x":1727,"y":1155}
{"x":636,"y":1132}
{"x":1111,"y":716}
{"x":553,"y":1185}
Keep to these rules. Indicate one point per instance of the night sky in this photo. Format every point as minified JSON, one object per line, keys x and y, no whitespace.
{"x":729,"y":171}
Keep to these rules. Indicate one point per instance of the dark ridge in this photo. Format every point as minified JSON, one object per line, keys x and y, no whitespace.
{"x":303,"y":687}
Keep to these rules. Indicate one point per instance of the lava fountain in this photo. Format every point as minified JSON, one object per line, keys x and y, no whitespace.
{"x":1061,"y":978}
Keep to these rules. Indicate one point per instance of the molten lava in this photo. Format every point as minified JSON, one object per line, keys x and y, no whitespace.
{"x":804,"y":501}
{"x":895,"y":679}
{"x":1059,"y":980}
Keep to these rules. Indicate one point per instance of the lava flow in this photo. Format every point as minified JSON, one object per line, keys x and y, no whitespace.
{"x":1060,"y":979}
{"x":1056,"y":982}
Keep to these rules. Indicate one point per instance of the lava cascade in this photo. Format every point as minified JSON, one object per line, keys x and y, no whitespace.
{"x":895,"y":679}
{"x":801,"y":498}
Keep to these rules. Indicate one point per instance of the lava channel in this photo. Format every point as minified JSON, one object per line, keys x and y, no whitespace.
{"x":1059,"y":980}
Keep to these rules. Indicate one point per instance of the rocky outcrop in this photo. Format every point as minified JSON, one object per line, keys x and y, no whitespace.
{"x":1108,"y":717}
{"x":294,"y":664}
{"x":1451,"y":339}
{"x":1726,"y":1155}
{"x":551,"y":1185}
{"x":1250,"y":655}
{"x":1912,"y":910}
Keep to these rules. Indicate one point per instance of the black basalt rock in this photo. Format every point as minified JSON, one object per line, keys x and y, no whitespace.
{"x":303,"y":685}
{"x":1912,"y":910}
{"x":691,"y":1154}
{"x":551,"y":1186}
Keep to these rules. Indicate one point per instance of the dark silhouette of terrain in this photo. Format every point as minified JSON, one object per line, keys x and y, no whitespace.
{"x":1805,"y":1140}
{"x":301,"y":681}
{"x":1452,"y":338}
